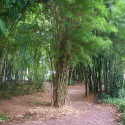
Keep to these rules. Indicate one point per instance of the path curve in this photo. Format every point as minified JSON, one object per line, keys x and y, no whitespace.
{"x":93,"y":113}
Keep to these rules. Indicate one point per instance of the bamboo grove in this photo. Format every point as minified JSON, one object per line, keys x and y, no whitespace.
{"x":79,"y":40}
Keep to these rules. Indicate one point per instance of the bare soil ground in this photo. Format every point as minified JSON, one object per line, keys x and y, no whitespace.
{"x":36,"y":109}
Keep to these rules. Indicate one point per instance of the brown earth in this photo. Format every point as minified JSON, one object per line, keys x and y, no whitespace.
{"x":37,"y":107}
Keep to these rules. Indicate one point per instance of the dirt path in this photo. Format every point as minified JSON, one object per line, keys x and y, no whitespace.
{"x":93,"y":114}
{"x":89,"y":112}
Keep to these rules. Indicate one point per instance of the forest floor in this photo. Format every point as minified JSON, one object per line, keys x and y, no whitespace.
{"x":36,"y":109}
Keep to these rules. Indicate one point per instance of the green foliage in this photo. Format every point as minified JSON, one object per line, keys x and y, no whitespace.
{"x":44,"y":35}
{"x":122,"y":93}
{"x":124,"y":84}
{"x":72,"y":81}
{"x":28,"y":115}
{"x":117,"y":102}
{"x":4,"y":95}
{"x":3,"y":28}
{"x":120,"y":102}
{"x":3,"y":118}
{"x":15,"y":89}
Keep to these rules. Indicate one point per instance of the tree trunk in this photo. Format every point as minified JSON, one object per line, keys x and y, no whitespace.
{"x":70,"y":83}
{"x":89,"y":78}
{"x":86,"y":82}
{"x":105,"y":76}
{"x":60,"y":86}
{"x":100,"y":83}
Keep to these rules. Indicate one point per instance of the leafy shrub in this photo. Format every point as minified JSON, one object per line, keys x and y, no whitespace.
{"x":3,"y":117}
{"x":27,"y":91}
{"x":122,"y":93}
{"x":120,"y":102}
{"x":116,"y":101}
{"x":16,"y":89}
{"x":5,"y":95}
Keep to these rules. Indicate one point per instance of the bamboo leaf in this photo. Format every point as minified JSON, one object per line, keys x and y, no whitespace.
{"x":7,"y":2}
{"x":3,"y":28}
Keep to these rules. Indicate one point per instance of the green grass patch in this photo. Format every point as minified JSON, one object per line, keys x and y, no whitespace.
{"x":28,"y":115}
{"x":3,"y":118}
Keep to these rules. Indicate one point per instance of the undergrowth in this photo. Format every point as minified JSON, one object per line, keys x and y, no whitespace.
{"x":7,"y":91}
{"x":120,"y":102}
{"x":3,"y":118}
